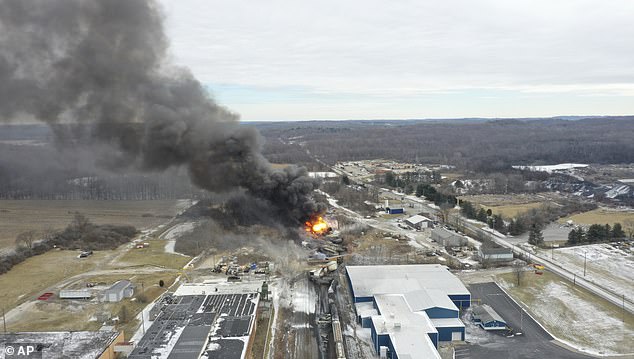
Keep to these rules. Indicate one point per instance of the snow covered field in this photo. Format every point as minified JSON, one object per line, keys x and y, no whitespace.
{"x":573,"y":315}
{"x":606,"y":265}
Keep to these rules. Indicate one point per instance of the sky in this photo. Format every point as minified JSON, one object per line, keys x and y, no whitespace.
{"x":302,"y":60}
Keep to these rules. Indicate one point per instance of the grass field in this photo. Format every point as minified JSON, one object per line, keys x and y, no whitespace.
{"x":603,"y":216}
{"x":41,"y":215}
{"x":509,"y":205}
{"x":154,"y":255}
{"x":512,"y":210}
{"x":31,"y":277}
{"x":573,"y":314}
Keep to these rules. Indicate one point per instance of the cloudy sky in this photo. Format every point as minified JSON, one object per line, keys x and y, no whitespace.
{"x":333,"y":59}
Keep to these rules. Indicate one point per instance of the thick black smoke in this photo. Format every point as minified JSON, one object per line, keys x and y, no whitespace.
{"x":102,"y":64}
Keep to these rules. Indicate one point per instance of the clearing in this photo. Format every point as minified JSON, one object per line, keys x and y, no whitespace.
{"x":572,"y":314}
{"x":17,"y":216}
{"x":603,"y":216}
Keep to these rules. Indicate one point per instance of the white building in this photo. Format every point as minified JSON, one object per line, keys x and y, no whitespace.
{"x":409,"y":308}
{"x":447,"y":238}
{"x":118,"y":291}
{"x":419,"y":222}
{"x":495,"y":254}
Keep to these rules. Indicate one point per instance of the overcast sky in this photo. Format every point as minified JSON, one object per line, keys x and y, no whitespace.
{"x":298,"y":60}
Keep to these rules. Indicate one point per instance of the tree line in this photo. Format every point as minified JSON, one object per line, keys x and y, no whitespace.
{"x":596,"y":233}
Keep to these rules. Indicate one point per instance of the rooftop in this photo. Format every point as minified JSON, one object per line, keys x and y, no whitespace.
{"x":394,"y":279}
{"x":417,"y":219}
{"x":486,"y":314}
{"x":407,"y":330}
{"x":120,"y":285}
{"x":80,"y":345}
{"x":431,"y":298}
{"x":496,"y":250}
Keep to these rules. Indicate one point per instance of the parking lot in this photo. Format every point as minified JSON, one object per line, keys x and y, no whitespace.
{"x":534,"y":342}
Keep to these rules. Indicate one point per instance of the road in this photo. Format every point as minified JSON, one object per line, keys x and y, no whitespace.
{"x":534,"y":342}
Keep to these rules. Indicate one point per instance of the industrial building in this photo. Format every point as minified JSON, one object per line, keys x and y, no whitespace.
{"x":118,"y":291}
{"x":419,"y":222}
{"x":63,"y":345}
{"x":448,"y":238}
{"x":75,"y":294}
{"x":409,"y":308}
{"x":488,"y":318}
{"x":495,"y":254}
{"x":192,"y":323}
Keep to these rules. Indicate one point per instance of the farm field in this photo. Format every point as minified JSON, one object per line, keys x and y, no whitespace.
{"x":604,"y":216}
{"x":512,"y":204}
{"x":17,"y":216}
{"x":572,"y":314}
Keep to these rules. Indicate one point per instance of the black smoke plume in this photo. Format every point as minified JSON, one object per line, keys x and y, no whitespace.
{"x":102,"y":65}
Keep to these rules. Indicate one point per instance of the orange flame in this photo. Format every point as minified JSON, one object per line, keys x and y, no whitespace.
{"x":317,"y":226}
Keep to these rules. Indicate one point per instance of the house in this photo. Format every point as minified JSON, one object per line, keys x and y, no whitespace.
{"x":118,"y":291}
{"x":448,"y":238}
{"x":495,"y":254}
{"x":419,"y":222}
{"x":487,"y":318}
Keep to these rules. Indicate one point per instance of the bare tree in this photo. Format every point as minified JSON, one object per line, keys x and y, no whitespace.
{"x":518,"y":271}
{"x":26,"y":239}
{"x":445,"y":209}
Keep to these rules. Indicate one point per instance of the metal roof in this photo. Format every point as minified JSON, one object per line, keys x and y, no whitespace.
{"x":119,"y":286}
{"x":408,"y":331}
{"x":429,"y":298}
{"x":368,"y":281}
{"x":447,"y":322}
{"x":496,"y":250}
{"x":486,"y":314}
{"x":61,"y":345}
{"x":417,"y":219}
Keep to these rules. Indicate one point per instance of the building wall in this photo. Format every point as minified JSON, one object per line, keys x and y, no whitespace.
{"x":435,"y":313}
{"x":493,"y":324}
{"x":461,"y":301}
{"x":109,"y":352}
{"x":445,"y":334}
{"x":434,"y":338}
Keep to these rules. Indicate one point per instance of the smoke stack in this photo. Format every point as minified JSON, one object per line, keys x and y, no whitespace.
{"x":102,"y":65}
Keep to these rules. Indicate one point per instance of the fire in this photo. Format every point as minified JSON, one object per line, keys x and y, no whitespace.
{"x":317,"y":226}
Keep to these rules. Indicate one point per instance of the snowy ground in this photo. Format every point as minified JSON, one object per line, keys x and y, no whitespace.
{"x":606,"y":266}
{"x":574,"y":316}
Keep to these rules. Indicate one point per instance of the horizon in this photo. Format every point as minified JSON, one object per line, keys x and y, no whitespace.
{"x":332,"y":61}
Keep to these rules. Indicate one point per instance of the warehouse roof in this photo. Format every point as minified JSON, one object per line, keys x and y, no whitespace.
{"x":447,"y":323}
{"x":431,"y":298}
{"x":367,"y":281}
{"x":417,"y":219}
{"x":81,"y":345}
{"x":496,"y":250}
{"x":120,"y":285}
{"x":444,"y":233}
{"x":408,"y":331}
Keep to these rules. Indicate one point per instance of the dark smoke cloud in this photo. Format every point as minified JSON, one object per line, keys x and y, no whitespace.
{"x":102,"y":65}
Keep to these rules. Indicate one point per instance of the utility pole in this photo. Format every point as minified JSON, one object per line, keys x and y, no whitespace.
{"x":4,"y":320}
{"x":585,"y":260}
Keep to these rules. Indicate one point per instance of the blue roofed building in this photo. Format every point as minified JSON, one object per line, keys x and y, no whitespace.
{"x":409,"y":308}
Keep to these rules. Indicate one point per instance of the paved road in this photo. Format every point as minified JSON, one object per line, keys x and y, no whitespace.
{"x":534,"y":342}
